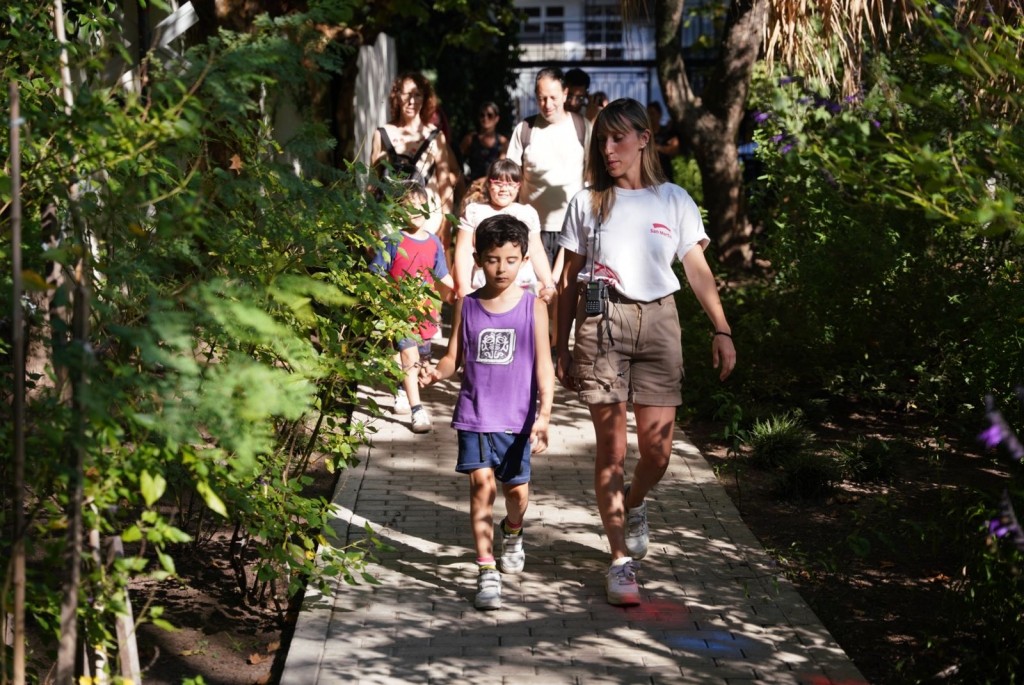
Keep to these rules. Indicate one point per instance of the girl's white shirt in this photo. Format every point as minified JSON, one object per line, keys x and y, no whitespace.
{"x":478,"y":211}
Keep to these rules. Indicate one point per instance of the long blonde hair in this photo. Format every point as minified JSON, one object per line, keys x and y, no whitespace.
{"x":619,"y":116}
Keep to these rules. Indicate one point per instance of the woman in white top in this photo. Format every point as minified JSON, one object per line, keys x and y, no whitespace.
{"x":412,"y":104}
{"x":621,"y":236}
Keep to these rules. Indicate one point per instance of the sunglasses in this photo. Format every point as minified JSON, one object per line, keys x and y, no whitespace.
{"x":488,"y":115}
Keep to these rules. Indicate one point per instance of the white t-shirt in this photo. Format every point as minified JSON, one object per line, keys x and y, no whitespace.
{"x":647,"y":229}
{"x":552,"y":167}
{"x":478,"y":211}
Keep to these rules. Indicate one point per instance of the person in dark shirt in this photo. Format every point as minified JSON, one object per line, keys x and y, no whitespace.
{"x":484,"y":146}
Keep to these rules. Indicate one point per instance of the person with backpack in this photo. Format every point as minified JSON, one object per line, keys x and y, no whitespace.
{"x":408,"y":147}
{"x":551,"y":149}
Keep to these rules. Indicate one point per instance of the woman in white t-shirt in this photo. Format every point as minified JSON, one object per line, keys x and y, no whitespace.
{"x":502,"y":189}
{"x":621,"y":236}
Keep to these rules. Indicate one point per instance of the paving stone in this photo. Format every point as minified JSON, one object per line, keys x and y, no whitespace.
{"x":715,"y":609}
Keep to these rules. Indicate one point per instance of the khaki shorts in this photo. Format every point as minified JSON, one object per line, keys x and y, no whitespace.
{"x":634,"y":354}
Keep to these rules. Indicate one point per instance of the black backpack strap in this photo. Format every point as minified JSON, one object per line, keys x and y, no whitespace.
{"x":524,"y":132}
{"x":386,"y":143}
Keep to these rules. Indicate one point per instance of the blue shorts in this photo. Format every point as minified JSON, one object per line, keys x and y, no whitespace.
{"x":424,"y":347}
{"x":507,"y":453}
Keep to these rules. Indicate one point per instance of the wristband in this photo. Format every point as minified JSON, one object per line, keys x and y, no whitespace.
{"x":728,"y":335}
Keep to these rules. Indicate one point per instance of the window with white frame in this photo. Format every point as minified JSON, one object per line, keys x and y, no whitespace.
{"x":543,"y":24}
{"x":603,"y":30}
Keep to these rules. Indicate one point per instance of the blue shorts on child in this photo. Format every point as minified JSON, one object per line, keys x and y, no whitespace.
{"x":507,"y":453}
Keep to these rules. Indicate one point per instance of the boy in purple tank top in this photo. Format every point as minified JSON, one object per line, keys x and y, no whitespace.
{"x":500,"y":337}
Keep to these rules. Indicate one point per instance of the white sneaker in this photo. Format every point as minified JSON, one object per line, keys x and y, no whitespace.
{"x":513,"y":557}
{"x":401,"y":403}
{"x":421,"y":421}
{"x":620,"y":584}
{"x":637,"y":532}
{"x":488,"y":590}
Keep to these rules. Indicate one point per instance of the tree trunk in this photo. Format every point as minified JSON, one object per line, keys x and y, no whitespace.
{"x":710,"y":121}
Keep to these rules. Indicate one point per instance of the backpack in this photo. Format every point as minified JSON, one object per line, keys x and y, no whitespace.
{"x":406,"y":167}
{"x":529,"y":122}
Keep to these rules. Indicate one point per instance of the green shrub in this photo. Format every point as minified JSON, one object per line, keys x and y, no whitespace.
{"x":807,"y":476}
{"x":231,"y":316}
{"x":777,"y":440}
{"x":868,"y":460}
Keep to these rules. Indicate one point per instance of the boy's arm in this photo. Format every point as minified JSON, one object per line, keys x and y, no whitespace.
{"x":545,"y":377}
{"x":448,"y":364}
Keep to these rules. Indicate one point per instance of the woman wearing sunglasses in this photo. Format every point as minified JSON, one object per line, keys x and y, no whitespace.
{"x":481,"y":148}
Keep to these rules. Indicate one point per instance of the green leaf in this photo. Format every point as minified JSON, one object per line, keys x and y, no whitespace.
{"x":153,"y":487}
{"x":214,"y":502}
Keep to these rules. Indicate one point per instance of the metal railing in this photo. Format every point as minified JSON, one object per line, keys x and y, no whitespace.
{"x":601,"y":41}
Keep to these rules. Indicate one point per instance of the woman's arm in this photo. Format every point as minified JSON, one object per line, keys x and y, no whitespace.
{"x":567,"y":296}
{"x":702,"y":282}
{"x":545,"y":377}
{"x":376,"y":148}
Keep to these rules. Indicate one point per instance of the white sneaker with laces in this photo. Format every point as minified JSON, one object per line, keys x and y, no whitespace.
{"x":513,"y":557}
{"x":620,"y":584}
{"x":488,"y":590}
{"x":421,"y":421}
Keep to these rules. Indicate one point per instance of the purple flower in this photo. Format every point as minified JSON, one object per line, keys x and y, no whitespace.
{"x":777,"y":138}
{"x":1006,"y":526}
{"x":991,"y":436}
{"x":876,"y":123}
{"x":786,"y":148}
{"x":786,"y":80}
{"x":762,"y":117}
{"x":999,"y":432}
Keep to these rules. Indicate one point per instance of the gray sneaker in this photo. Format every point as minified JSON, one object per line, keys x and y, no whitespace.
{"x":513,"y":557}
{"x":637,"y":532}
{"x":620,"y":585}
{"x":488,"y":590}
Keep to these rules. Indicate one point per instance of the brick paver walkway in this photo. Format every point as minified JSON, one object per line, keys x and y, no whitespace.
{"x":715,"y":609}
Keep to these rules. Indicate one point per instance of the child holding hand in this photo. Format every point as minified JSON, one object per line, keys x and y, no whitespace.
{"x":500,"y":338}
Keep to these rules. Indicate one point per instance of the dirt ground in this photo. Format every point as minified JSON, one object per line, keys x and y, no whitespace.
{"x":863,"y":557}
{"x":877,"y":562}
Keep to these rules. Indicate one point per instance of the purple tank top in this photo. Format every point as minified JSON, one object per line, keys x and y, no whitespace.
{"x":499,"y":386}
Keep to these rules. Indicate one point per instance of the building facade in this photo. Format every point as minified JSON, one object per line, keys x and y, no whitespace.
{"x":617,"y":55}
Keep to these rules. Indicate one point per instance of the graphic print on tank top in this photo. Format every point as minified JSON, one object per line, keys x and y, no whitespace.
{"x":496,"y":346}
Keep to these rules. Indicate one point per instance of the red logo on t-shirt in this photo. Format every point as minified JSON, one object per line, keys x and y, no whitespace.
{"x":661,"y":229}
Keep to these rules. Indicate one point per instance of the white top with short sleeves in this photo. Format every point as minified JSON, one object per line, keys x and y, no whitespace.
{"x":552,"y":167}
{"x":478,"y":211}
{"x":647,"y":230}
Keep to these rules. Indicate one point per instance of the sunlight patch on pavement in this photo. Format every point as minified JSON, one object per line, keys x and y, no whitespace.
{"x":421,"y":544}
